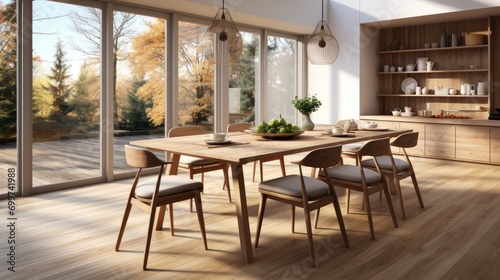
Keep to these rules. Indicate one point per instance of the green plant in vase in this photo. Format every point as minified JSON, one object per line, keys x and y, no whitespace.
{"x":306,"y":106}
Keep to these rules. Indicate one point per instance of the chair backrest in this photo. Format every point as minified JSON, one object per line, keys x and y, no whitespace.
{"x":186,"y":131}
{"x":375,"y":148}
{"x":141,"y":158}
{"x":406,"y":140}
{"x":238,"y":127}
{"x":322,"y":158}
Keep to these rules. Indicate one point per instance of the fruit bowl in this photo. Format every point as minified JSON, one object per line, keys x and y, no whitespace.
{"x":277,"y":135}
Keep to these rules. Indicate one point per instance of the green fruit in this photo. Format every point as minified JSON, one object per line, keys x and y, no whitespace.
{"x":274,"y":123}
{"x":282,"y":121}
{"x":272,"y":130}
{"x":262,"y":124}
{"x":260,"y":130}
{"x":283,"y":130}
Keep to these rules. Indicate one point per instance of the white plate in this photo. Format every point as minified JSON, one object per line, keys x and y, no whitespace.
{"x":409,"y":83}
{"x":215,"y":142}
{"x":376,"y":128}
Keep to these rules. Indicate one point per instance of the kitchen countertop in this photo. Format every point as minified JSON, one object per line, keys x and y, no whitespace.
{"x":416,"y":119}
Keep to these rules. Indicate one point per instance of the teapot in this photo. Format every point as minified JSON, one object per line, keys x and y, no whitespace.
{"x":410,"y":66}
{"x":430,"y":64}
{"x":425,"y":90}
{"x":396,"y":112}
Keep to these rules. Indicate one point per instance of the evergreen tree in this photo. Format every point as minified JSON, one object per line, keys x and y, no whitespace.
{"x":8,"y":57}
{"x":134,"y":115}
{"x":58,"y":86}
{"x":85,"y":101}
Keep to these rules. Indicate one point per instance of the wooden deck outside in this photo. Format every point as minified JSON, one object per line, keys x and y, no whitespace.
{"x":66,"y":160}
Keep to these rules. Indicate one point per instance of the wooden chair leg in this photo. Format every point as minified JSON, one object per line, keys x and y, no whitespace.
{"x":400,"y":196}
{"x":340,"y":218}
{"x":171,"y":215}
{"x":201,"y":220}
{"x":369,"y":214}
{"x":292,"y":208}
{"x":226,"y":181}
{"x":316,"y":219}
{"x":149,"y":235}
{"x":417,"y":190}
{"x":282,"y":164}
{"x":347,"y":199}
{"x":391,"y":208}
{"x":123,"y":225}
{"x":307,"y":217}
{"x":161,"y":217}
{"x":260,"y":217}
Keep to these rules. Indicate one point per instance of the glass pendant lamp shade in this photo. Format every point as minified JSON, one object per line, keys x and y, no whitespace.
{"x":322,"y":47}
{"x":222,"y":42}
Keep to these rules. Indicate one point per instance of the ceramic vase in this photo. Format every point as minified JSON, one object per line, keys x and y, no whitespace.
{"x":307,"y":123}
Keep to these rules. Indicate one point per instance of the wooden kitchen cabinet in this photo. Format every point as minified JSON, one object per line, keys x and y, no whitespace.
{"x":419,"y":150}
{"x":495,"y":145}
{"x":440,"y":141}
{"x":473,"y":143}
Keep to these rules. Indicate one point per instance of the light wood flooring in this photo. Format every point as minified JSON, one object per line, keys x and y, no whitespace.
{"x":71,"y":234}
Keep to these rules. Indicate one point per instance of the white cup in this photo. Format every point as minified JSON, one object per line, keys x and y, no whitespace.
{"x":386,"y":68}
{"x":408,"y":109}
{"x":337,"y":130}
{"x":219,"y":137}
{"x":418,"y":91}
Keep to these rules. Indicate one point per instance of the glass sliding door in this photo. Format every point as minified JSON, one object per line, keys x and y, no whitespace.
{"x":195,"y":78}
{"x":281,"y":77}
{"x":8,"y":103}
{"x":139,"y":95}
{"x":244,"y":80}
{"x":66,"y":92}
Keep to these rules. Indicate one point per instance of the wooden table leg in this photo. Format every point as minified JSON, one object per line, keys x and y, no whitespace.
{"x":242,"y":212}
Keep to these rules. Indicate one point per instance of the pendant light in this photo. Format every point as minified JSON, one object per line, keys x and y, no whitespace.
{"x":223,"y":43}
{"x":322,"y":47}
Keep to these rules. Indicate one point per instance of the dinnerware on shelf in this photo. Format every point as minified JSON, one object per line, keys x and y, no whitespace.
{"x":409,"y":86}
{"x":396,"y":112}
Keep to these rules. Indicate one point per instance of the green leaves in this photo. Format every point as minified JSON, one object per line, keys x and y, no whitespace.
{"x":306,"y":105}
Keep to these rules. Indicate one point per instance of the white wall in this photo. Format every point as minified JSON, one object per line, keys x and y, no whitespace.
{"x":380,"y":10}
{"x":347,"y":88}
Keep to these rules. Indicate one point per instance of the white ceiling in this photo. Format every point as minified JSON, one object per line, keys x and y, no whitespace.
{"x":301,"y":16}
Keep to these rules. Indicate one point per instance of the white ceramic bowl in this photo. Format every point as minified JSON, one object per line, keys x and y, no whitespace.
{"x":396,"y":113}
{"x":371,"y":125}
{"x":337,"y":130}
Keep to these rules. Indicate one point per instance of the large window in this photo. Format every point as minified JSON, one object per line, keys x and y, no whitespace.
{"x":196,"y":78}
{"x":281,"y":77}
{"x":66,"y":92}
{"x":103,"y":75}
{"x":244,"y":81}
{"x":139,"y":95}
{"x":8,"y":103}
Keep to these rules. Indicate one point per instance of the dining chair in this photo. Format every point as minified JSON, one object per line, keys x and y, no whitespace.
{"x":197,"y":165}
{"x":404,"y":168}
{"x":349,"y":150}
{"x":365,"y":180}
{"x":237,"y":127}
{"x":305,"y":192}
{"x":148,"y":194}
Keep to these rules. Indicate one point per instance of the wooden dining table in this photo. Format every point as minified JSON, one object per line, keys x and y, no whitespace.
{"x":244,"y":148}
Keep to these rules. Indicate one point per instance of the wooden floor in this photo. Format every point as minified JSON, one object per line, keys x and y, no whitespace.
{"x":71,"y":234}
